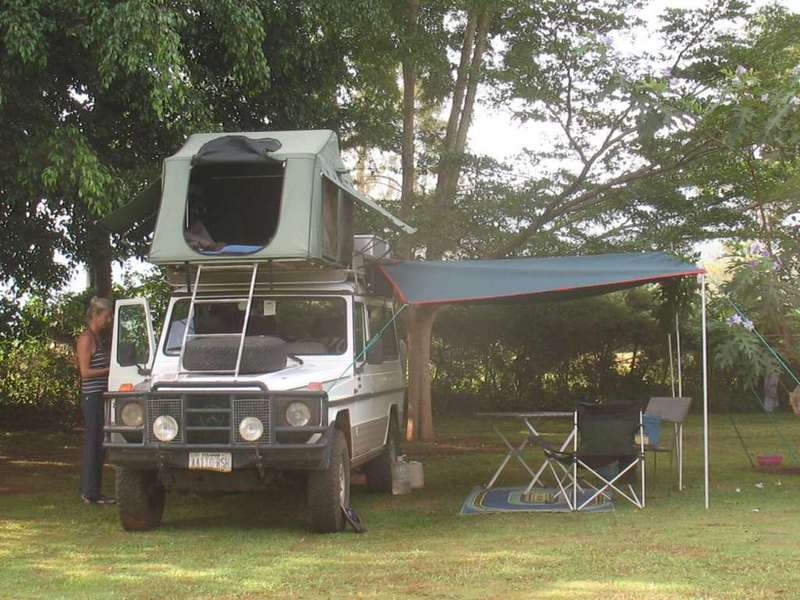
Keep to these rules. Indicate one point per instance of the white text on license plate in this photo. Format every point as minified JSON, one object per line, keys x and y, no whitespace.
{"x":211,"y":461}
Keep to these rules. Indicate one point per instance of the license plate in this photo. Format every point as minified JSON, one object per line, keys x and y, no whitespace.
{"x":211,"y":461}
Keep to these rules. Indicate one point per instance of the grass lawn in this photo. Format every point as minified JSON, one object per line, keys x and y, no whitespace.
{"x":257,"y":545}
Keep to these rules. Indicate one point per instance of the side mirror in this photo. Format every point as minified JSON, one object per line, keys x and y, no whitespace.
{"x":375,"y":354}
{"x":142,"y":370}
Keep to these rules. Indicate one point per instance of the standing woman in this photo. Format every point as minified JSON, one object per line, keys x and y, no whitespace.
{"x":93,"y":361}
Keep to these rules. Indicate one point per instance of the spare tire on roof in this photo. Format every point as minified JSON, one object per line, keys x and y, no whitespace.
{"x":261,"y":354}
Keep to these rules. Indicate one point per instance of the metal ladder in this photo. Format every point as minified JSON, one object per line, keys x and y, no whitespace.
{"x":218,"y":300}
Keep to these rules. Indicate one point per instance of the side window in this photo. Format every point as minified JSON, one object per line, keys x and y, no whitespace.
{"x":379,"y":316}
{"x":132,"y":343}
{"x":390,"y":351}
{"x":358,"y":329}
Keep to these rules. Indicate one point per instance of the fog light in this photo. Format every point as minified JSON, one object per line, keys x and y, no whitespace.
{"x":132,"y":414}
{"x":298,"y":414}
{"x":165,"y":428}
{"x":251,"y":429}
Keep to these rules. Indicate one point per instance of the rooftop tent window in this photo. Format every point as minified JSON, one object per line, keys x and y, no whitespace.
{"x":234,"y":197}
{"x":337,"y":222}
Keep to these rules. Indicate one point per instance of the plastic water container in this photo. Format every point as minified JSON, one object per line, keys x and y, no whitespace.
{"x":416,"y":475}
{"x":401,"y":477}
{"x":652,"y":429}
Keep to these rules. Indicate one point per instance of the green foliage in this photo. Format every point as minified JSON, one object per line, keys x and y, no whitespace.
{"x":550,"y":354}
{"x":38,"y":383}
{"x":760,"y":298}
{"x":741,"y":355}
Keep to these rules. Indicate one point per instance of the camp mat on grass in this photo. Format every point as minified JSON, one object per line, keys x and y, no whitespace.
{"x":510,"y":499}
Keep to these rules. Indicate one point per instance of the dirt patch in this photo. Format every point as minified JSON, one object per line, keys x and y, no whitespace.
{"x":14,"y":489}
{"x":451,"y":446}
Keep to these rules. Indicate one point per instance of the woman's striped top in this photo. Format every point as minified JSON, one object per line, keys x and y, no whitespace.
{"x":100,"y":360}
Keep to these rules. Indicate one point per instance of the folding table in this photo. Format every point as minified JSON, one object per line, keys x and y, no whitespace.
{"x":517,"y":451}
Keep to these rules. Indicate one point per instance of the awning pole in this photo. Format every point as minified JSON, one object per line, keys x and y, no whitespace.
{"x":705,"y":387}
{"x":678,"y":348}
{"x":671,"y":367}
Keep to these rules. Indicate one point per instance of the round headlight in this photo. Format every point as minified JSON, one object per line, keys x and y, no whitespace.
{"x":132,"y":415}
{"x":298,"y":414}
{"x":251,"y":429}
{"x":165,"y":428}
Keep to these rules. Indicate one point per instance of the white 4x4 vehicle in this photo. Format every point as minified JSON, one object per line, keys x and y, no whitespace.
{"x":276,"y":355}
{"x":273,"y":380}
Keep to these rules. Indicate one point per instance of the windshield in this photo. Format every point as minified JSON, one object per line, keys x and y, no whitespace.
{"x":310,"y":326}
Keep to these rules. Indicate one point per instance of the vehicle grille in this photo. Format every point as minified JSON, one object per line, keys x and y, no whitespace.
{"x":209,"y":419}
{"x":252,"y":407}
{"x":158,"y":407}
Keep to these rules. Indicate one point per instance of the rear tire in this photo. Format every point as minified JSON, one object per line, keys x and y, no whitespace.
{"x":379,"y":469}
{"x":329,"y":490}
{"x":140,"y":498}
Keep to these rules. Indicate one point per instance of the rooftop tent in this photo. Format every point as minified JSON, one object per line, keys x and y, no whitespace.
{"x":563,"y":277}
{"x":281,"y":195}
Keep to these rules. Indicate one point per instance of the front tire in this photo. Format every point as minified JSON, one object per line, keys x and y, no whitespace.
{"x":379,"y":469}
{"x":140,"y":499}
{"x":329,"y":490}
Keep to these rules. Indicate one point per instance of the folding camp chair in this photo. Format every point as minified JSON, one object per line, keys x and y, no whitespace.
{"x":674,"y":411}
{"x":606,"y":439}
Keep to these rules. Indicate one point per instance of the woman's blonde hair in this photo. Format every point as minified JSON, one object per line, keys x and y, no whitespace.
{"x":98,"y":305}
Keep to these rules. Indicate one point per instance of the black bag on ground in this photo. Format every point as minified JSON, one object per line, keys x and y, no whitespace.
{"x":261,"y":354}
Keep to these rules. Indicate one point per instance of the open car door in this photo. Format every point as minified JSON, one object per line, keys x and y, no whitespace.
{"x":132,"y":344}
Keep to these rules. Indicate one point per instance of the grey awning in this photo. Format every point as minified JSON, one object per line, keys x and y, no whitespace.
{"x":556,"y":278}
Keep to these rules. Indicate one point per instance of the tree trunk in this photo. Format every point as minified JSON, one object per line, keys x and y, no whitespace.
{"x":464,"y":94}
{"x":461,"y":83}
{"x":419,"y":324}
{"x":409,"y":92}
{"x":99,"y":263}
{"x":472,"y":85}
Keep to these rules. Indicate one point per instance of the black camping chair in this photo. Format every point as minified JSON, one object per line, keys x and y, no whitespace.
{"x":609,"y":435}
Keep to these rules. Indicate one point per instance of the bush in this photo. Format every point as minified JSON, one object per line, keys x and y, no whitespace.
{"x":38,"y":384}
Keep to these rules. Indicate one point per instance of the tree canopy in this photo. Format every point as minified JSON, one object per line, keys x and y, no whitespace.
{"x":694,"y":139}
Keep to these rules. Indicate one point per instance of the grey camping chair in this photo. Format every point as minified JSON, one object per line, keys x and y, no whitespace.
{"x":671,"y":411}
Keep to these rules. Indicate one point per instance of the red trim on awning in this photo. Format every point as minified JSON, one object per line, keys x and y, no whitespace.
{"x":400,"y":295}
